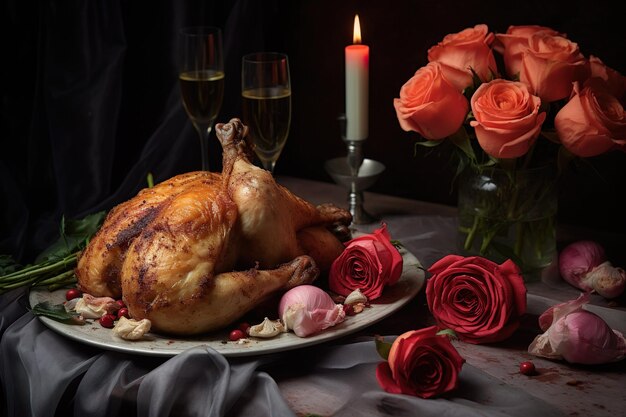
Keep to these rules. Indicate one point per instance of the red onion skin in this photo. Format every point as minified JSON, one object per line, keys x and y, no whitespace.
{"x":579,"y":258}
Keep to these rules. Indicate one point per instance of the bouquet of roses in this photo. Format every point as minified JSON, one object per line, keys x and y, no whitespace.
{"x":545,"y":74}
{"x":546,"y":103}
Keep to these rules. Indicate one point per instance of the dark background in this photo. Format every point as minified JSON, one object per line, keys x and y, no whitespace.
{"x":90,"y":100}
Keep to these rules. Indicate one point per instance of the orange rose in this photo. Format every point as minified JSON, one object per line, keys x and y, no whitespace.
{"x":507,"y":118}
{"x":615,"y":81}
{"x":460,"y":53}
{"x":550,"y":65}
{"x":592,"y":122}
{"x":514,"y":42}
{"x":430,"y":105}
{"x":420,"y":363}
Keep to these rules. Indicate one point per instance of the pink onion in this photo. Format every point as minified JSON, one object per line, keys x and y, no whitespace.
{"x":307,"y":309}
{"x":578,"y":336}
{"x":584,"y":265}
{"x":579,"y":258}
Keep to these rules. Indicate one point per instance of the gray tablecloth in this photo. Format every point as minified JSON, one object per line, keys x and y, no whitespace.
{"x":45,"y":374}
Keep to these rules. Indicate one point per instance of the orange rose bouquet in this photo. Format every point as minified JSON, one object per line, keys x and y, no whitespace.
{"x":545,"y":105}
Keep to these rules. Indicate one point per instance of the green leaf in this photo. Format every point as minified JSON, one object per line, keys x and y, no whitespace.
{"x":150,"y":180}
{"x":74,"y":236}
{"x":396,"y":243}
{"x":57,"y":312}
{"x":429,"y":143}
{"x":461,"y":140}
{"x":382,"y":347}
{"x":447,"y":332}
{"x":8,"y":265}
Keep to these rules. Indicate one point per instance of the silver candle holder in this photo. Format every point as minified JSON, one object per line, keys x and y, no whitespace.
{"x":355,"y":173}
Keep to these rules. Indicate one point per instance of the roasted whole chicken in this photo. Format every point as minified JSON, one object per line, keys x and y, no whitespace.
{"x":198,"y":251}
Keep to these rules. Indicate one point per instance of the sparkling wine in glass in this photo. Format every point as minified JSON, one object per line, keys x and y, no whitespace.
{"x":201,"y":79}
{"x":266,"y":95}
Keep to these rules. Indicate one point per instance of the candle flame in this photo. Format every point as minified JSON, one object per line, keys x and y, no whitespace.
{"x":356,"y":34}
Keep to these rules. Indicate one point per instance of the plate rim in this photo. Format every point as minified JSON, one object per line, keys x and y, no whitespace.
{"x":413,"y":275}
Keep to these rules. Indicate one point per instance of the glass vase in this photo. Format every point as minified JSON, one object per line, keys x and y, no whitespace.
{"x":509,"y":215}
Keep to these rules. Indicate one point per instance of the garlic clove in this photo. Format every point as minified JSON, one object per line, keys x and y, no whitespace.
{"x":131,"y":329}
{"x":607,"y":280}
{"x":355,"y":296}
{"x":267,"y":328}
{"x":91,"y":307}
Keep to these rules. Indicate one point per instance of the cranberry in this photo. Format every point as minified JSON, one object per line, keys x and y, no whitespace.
{"x":73,"y":293}
{"x":122,"y":312}
{"x":120,"y":303}
{"x":348,"y":309}
{"x":244,"y":326}
{"x":527,"y":368}
{"x":236,"y":335}
{"x":108,"y":321}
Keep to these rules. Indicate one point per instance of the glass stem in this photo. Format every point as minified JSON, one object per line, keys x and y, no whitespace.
{"x":269,"y":165}
{"x":204,"y":131}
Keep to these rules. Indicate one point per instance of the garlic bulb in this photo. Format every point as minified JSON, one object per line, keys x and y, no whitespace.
{"x":578,"y":336}
{"x":583,"y":264}
{"x":579,"y":258}
{"x":307,"y":310}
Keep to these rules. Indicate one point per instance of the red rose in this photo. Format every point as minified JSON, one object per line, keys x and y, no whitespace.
{"x":420,"y":363}
{"x":368,"y":263}
{"x":478,"y":299}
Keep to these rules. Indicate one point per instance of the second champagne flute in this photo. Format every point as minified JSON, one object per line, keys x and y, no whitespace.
{"x":202,"y":81}
{"x":266,"y":95}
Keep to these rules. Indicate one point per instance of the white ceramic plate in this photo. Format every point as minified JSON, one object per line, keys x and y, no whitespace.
{"x":393,"y":298}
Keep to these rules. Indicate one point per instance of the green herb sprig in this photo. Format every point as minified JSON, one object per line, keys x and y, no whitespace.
{"x":54,"y":267}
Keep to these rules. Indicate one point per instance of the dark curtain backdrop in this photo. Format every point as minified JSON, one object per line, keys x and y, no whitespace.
{"x":90,"y":100}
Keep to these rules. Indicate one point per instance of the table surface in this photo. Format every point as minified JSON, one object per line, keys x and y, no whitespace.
{"x":576,"y":390}
{"x":428,"y":231}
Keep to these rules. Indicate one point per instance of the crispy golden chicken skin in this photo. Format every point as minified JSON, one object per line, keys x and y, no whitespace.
{"x":198,"y":251}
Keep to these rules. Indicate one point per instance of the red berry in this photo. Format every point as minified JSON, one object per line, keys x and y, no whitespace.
{"x":348,"y":309}
{"x":527,"y":368}
{"x":73,"y":293}
{"x":120,"y":303}
{"x":244,"y":326}
{"x":122,"y":312}
{"x":236,"y":335}
{"x":108,"y":321}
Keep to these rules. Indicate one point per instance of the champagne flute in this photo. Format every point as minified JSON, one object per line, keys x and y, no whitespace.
{"x":266,"y":94}
{"x":201,"y":79}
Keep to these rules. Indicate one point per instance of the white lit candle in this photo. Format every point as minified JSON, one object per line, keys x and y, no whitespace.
{"x":357,"y":86}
